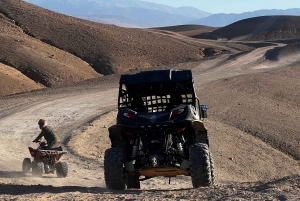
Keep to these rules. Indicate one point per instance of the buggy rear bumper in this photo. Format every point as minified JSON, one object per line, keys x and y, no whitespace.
{"x":165,"y":171}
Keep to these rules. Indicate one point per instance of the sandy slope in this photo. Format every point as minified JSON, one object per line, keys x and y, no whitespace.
{"x":40,"y":62}
{"x":13,"y":79}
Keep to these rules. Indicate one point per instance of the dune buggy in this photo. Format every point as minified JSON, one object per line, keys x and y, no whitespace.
{"x":45,"y":161}
{"x":159,"y":131}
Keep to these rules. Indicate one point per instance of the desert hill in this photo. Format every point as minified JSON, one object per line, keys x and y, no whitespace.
{"x":187,"y":30}
{"x":259,"y":29}
{"x":224,"y":19}
{"x":107,"y":48}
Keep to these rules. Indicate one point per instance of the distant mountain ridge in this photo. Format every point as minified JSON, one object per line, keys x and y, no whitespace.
{"x":136,"y":12}
{"x":115,"y":19}
{"x":86,"y":5}
{"x":142,"y":14}
{"x":221,"y":19}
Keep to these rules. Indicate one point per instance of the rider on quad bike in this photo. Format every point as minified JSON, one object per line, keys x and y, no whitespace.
{"x":46,"y":157}
{"x":50,"y":136}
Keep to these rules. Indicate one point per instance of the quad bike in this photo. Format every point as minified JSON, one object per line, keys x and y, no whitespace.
{"x":159,"y":131}
{"x":45,"y":161}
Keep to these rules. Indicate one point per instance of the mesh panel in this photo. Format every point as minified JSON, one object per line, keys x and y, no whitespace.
{"x":155,"y":97}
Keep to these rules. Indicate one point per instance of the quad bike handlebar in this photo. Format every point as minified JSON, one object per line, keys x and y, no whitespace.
{"x":42,"y":143}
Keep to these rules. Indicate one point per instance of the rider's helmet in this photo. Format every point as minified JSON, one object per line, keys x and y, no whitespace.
{"x":42,"y":123}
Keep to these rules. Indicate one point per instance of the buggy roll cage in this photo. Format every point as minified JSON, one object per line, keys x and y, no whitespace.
{"x":156,"y":91}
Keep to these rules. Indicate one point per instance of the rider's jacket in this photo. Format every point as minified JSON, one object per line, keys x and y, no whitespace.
{"x":49,"y":134}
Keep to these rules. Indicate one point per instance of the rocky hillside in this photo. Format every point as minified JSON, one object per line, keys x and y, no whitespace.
{"x":107,"y":48}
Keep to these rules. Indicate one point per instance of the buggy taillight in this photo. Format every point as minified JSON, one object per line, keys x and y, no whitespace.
{"x":177,"y":112}
{"x":129,"y":115}
{"x":180,"y":130}
{"x":129,"y":133}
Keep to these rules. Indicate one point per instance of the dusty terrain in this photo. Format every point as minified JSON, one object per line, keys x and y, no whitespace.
{"x":252,"y":90}
{"x":246,"y":167}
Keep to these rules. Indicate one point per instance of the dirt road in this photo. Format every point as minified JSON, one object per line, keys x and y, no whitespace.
{"x":81,"y":114}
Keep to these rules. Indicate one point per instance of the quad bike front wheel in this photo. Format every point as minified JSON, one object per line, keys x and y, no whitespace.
{"x":113,"y":169}
{"x":202,"y":168}
{"x":37,"y":168}
{"x":26,"y":165}
{"x":62,"y":169}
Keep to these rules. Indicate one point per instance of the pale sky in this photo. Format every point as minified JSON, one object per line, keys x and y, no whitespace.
{"x":231,"y":6}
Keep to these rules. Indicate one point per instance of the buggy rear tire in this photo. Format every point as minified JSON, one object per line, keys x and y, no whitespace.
{"x":113,"y":169}
{"x":37,"y":168}
{"x":26,"y":165}
{"x":133,"y":181}
{"x":62,"y":169}
{"x":201,"y":165}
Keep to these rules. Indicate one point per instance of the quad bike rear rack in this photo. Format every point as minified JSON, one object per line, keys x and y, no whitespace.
{"x":53,"y":151}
